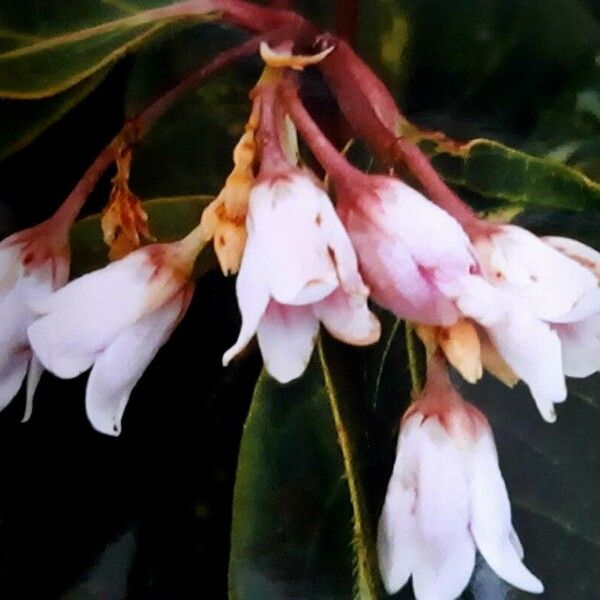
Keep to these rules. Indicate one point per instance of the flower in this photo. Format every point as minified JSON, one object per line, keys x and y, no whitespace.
{"x":412,"y":254}
{"x":33,"y":263}
{"x":115,"y":320}
{"x":445,"y":498}
{"x":298,"y":268}
{"x":542,"y":314}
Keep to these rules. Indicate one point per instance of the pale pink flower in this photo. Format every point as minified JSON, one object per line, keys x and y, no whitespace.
{"x":33,"y":263}
{"x":412,"y":254}
{"x":298,"y":268}
{"x":114,"y":320}
{"x":445,"y":499}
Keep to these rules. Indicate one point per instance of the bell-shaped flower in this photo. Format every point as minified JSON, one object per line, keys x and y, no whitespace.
{"x":412,"y":254}
{"x":446,"y":499}
{"x":33,"y":263}
{"x":542,"y":315}
{"x":298,"y":268}
{"x":115,"y":320}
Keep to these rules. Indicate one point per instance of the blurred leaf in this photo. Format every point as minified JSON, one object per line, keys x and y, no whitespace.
{"x":23,"y":120}
{"x":57,"y":45}
{"x":170,"y":219}
{"x":298,"y":530}
{"x":497,"y":171}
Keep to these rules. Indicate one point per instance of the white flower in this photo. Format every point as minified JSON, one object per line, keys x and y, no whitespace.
{"x":412,"y":254}
{"x":114,"y":320}
{"x":298,"y":268}
{"x":445,"y":499}
{"x":33,"y":263}
{"x":543,"y":311}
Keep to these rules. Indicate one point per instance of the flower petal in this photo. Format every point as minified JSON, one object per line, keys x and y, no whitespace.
{"x":84,"y":317}
{"x":286,"y":336}
{"x":13,"y":368}
{"x":585,"y":255}
{"x":284,"y":215}
{"x":34,"y":374}
{"x":580,"y":347}
{"x":397,"y":537}
{"x":348,"y":318}
{"x":550,"y":282}
{"x":10,"y":264}
{"x":252,"y":295}
{"x":491,"y":518}
{"x":118,"y":368}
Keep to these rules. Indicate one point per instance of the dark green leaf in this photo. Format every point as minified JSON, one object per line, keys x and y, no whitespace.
{"x":58,"y":47}
{"x":298,"y":527}
{"x":497,"y":171}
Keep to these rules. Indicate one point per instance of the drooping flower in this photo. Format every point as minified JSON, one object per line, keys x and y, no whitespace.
{"x":33,"y":263}
{"x":413,"y":255}
{"x":445,"y":499}
{"x":115,"y":320}
{"x":542,"y":318}
{"x":298,"y":268}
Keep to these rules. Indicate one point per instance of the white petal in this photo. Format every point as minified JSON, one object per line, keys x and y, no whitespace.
{"x":340,"y":248}
{"x":348,"y":318}
{"x":533,"y":352}
{"x":14,"y":347}
{"x":550,"y":282}
{"x":491,"y":519}
{"x":447,"y":551}
{"x":34,"y":374}
{"x":120,"y":366}
{"x":84,"y":317}
{"x":12,"y":373}
{"x":397,"y":539}
{"x":583,"y":254}
{"x":284,"y":217}
{"x":580,"y":347}
{"x":286,"y":336}
{"x":252,"y":295}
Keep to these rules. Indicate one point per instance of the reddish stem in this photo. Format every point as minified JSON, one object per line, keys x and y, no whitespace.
{"x":338,"y":168}
{"x":136,"y":127}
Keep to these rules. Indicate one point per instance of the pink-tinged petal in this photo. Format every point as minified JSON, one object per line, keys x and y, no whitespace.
{"x":583,"y":254}
{"x":286,"y":336}
{"x":491,"y":518}
{"x":580,"y":347}
{"x":283,"y":217}
{"x":252,"y":295}
{"x":83,"y":318}
{"x":550,"y":282}
{"x":118,"y":368}
{"x":533,"y":351}
{"x":34,"y":374}
{"x":348,"y":318}
{"x":587,"y":306}
{"x":394,"y":278}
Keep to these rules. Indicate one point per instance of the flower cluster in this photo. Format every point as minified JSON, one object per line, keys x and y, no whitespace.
{"x":486,"y":296}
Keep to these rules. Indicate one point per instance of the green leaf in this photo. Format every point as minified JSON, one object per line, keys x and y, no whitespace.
{"x":43,"y":60}
{"x":23,"y":121}
{"x":299,"y":527}
{"x":496,"y":171}
{"x":170,"y":219}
